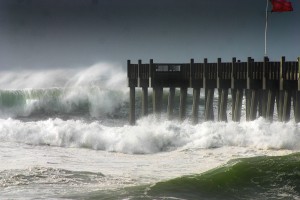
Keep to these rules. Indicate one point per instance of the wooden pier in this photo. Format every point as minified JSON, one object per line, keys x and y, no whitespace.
{"x":263,"y":83}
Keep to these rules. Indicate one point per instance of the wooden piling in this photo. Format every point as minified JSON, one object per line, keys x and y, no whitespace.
{"x":223,"y":97}
{"x":238,"y":105}
{"x":209,"y":84}
{"x":233,"y":99}
{"x":182,"y":106}
{"x":279,"y":102}
{"x":223,"y":84}
{"x":171,"y":98}
{"x":296,"y":102}
{"x":144,"y":101}
{"x":285,"y":91}
{"x":271,"y":94}
{"x":253,"y":105}
{"x":261,"y":101}
{"x":286,"y":112}
{"x":195,"y":109}
{"x":238,"y":85}
{"x":254,"y":84}
{"x":157,"y":100}
{"x":209,"y":110}
{"x":132,"y":106}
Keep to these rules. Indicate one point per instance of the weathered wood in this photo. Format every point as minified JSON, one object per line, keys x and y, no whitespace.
{"x":195,"y":109}
{"x":286,"y":106}
{"x":233,"y":99}
{"x":296,"y":102}
{"x":262,"y":99}
{"x":279,"y":102}
{"x":182,"y":108}
{"x":144,"y":101}
{"x":248,"y":103}
{"x":157,"y":101}
{"x":264,"y":83}
{"x":253,"y":104}
{"x":286,"y":85}
{"x":237,"y":105}
{"x":132,"y":106}
{"x":209,"y":110}
{"x":223,"y":97}
{"x":271,"y":94}
{"x":171,"y":99}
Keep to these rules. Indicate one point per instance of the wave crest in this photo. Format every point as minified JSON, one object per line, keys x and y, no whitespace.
{"x":151,"y":136}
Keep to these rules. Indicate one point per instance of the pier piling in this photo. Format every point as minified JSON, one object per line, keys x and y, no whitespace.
{"x":157,"y":100}
{"x":171,"y":99}
{"x":195,"y":109}
{"x":132,"y":106}
{"x":182,"y":106}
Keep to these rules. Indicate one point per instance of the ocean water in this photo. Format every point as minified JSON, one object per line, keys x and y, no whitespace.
{"x":64,"y":135}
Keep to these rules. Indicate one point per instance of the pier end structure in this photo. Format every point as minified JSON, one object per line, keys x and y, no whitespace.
{"x":263,"y":84}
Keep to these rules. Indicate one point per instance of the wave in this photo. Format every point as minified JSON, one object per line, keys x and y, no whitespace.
{"x":107,"y":75}
{"x":97,"y":91}
{"x":247,"y":178}
{"x":93,"y":101}
{"x":152,"y":136}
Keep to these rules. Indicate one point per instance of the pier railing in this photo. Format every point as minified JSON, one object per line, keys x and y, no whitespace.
{"x":263,"y":83}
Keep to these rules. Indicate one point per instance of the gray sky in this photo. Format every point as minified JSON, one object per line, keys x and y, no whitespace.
{"x":78,"y":33}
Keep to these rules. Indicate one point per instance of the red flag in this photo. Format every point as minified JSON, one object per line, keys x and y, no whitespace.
{"x":281,"y":6}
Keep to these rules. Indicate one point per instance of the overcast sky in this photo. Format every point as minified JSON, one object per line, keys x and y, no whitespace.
{"x":79,"y":33}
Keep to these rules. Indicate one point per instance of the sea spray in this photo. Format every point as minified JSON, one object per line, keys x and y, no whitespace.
{"x":105,"y":75}
{"x":151,"y":136}
{"x":96,"y":91}
{"x":82,"y":100}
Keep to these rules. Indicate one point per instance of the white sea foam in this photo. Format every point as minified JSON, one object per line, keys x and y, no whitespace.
{"x":150,"y":136}
{"x":100,"y":88}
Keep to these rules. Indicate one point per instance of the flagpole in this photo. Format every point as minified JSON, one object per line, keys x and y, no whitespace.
{"x":266,"y":27}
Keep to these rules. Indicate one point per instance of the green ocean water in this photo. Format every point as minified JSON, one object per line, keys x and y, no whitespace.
{"x":248,"y":178}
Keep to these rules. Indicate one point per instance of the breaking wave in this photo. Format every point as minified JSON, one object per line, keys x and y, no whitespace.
{"x":96,"y":91}
{"x":151,"y":136}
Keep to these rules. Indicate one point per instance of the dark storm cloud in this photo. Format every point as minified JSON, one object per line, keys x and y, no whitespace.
{"x":71,"y":33}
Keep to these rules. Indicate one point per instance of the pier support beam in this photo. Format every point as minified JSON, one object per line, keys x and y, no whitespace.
{"x":248,"y":104}
{"x":233,"y":98}
{"x":253,"y":104}
{"x":261,"y":98}
{"x":270,"y":103}
{"x":296,"y":103}
{"x":286,"y":112}
{"x":223,"y":99}
{"x":145,"y":101}
{"x":157,"y":101}
{"x":284,"y":105}
{"x":132,"y":106}
{"x":182,"y":108}
{"x":237,"y":98}
{"x":209,"y":110}
{"x":171,"y":98}
{"x":195,"y":110}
